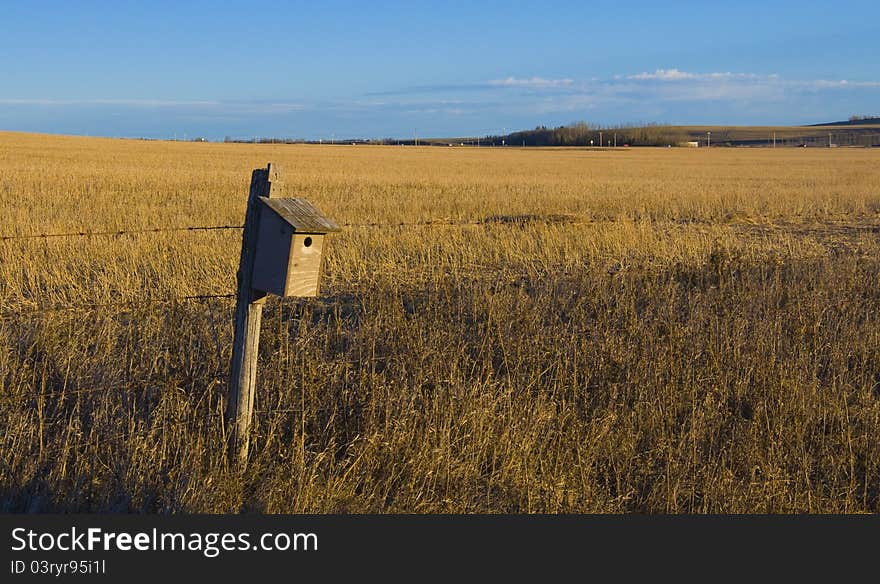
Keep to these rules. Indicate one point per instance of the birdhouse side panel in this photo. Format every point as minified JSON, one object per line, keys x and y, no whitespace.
{"x":304,"y":270}
{"x":272,"y":254}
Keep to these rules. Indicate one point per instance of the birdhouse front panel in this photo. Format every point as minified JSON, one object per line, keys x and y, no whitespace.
{"x":304,"y":269}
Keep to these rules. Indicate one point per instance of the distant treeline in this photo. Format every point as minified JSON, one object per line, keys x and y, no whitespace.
{"x":584,"y":134}
{"x":872,"y":119}
{"x":856,"y":121}
{"x":862,"y":132}
{"x":576,"y":134}
{"x":263,"y":140}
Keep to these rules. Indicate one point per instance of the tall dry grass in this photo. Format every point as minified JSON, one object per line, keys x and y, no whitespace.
{"x":642,"y":330}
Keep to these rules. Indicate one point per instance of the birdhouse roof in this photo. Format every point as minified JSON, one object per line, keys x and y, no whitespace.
{"x":301,"y":215}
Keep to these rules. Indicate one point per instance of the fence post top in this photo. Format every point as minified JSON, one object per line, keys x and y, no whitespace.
{"x":266,"y":182}
{"x":274,"y":171}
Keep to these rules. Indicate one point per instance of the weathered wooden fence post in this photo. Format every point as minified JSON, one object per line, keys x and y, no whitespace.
{"x":281,"y":253}
{"x":248,"y":316}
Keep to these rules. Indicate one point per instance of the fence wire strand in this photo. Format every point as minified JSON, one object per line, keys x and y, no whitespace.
{"x":426,"y":223}
{"x":11,"y":314}
{"x":422,"y":223}
{"x":120,"y":232}
{"x":205,"y":419}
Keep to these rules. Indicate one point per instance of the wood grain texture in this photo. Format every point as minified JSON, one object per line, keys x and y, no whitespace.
{"x":304,"y":270}
{"x":301,"y":215}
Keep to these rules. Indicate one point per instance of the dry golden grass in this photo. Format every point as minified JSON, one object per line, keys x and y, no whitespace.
{"x":658,"y":331}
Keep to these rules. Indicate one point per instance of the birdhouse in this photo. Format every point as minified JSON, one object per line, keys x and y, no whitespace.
{"x":290,"y":238}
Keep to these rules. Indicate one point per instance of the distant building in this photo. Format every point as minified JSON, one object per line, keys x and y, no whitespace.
{"x":691,"y":144}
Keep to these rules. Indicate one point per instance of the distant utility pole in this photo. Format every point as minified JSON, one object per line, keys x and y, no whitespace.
{"x":774,"y":139}
{"x":416,"y":136}
{"x":829,"y":139}
{"x":708,"y":139}
{"x":600,"y":139}
{"x":615,"y":139}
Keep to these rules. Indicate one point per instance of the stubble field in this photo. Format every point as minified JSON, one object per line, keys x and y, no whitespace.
{"x":653,"y":330}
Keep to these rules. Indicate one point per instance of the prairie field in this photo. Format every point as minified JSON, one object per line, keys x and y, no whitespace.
{"x":549,"y":330}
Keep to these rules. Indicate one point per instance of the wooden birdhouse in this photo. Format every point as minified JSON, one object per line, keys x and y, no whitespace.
{"x":290,"y":238}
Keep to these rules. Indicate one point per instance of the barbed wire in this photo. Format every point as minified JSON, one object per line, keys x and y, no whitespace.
{"x":517,"y":220}
{"x":11,"y":314}
{"x":496,"y":220}
{"x":165,"y":425}
{"x":121,"y":387}
{"x":119,"y":232}
{"x":106,"y":388}
{"x":117,"y":437}
{"x":425,"y":223}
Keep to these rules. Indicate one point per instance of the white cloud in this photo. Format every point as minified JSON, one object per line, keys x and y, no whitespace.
{"x":678,"y":75}
{"x":539,"y":82}
{"x":451,"y":111}
{"x":663,"y":74}
{"x":263,"y":107}
{"x":839,"y":84}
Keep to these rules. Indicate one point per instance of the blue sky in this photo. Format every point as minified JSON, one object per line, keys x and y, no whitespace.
{"x":378,"y":69}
